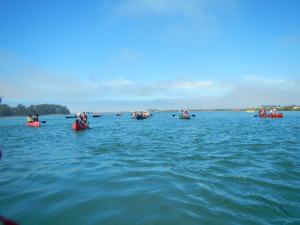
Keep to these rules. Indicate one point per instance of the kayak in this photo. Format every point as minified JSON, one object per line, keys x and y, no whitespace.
{"x":279,"y":115}
{"x":35,"y":124}
{"x":140,"y":117}
{"x":79,"y":126}
{"x":182,"y":116}
{"x":71,"y":116}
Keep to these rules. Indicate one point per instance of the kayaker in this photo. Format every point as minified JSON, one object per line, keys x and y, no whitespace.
{"x":36,"y":118}
{"x":186,"y":113}
{"x":262,"y":111}
{"x":29,"y":119}
{"x":273,"y":111}
{"x":84,"y":118}
{"x":78,"y":117}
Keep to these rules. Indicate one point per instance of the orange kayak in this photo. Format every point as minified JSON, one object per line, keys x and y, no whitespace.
{"x":35,"y":124}
{"x":79,"y":126}
{"x":279,"y":115}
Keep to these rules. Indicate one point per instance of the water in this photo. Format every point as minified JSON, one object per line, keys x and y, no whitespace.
{"x":216,"y":168}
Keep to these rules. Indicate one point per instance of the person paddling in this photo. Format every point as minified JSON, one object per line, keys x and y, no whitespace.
{"x":273,"y":111}
{"x":36,"y":118}
{"x":29,"y":119}
{"x":262,"y":111}
{"x":82,"y":118}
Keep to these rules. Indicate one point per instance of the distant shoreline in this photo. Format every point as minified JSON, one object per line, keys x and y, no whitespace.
{"x":33,"y":115}
{"x":288,"y":108}
{"x":283,"y":109}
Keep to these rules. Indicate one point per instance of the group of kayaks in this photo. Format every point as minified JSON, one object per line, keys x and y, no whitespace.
{"x":79,"y":125}
{"x":76,"y":125}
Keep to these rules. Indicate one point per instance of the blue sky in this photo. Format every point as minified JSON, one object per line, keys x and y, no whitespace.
{"x":110,"y":55}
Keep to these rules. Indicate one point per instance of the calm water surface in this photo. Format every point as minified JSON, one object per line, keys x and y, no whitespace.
{"x":216,"y":168}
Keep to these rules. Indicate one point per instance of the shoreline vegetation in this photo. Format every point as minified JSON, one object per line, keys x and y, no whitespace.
{"x":41,"y":109}
{"x":255,"y":109}
{"x":52,"y":109}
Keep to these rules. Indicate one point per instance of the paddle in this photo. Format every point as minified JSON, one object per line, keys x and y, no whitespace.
{"x":83,"y":122}
{"x":6,"y":221}
{"x":43,"y":121}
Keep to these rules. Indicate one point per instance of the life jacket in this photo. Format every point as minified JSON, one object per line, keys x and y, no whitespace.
{"x":29,"y":120}
{"x":84,"y":118}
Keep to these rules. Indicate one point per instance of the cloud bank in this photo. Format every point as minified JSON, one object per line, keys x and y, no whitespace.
{"x":35,"y":84}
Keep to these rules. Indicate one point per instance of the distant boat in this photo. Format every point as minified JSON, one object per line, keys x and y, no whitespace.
{"x":187,"y":117}
{"x":97,"y":115}
{"x":141,"y":117}
{"x":250,"y":111}
{"x":71,"y":116}
{"x":279,"y":115}
{"x":119,"y":114}
{"x":184,"y":116}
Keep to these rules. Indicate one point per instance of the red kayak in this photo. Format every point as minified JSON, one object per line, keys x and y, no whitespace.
{"x":279,"y":115}
{"x":79,"y":126}
{"x":35,"y":124}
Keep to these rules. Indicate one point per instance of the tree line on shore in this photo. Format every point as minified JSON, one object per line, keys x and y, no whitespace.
{"x":41,"y":109}
{"x":46,"y":109}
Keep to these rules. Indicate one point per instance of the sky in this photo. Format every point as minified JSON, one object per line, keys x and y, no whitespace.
{"x":113,"y":55}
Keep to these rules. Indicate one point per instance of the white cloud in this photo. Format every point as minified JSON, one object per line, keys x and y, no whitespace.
{"x":264,"y":81}
{"x":32,"y":83}
{"x":190,"y":84}
{"x":117,"y":83}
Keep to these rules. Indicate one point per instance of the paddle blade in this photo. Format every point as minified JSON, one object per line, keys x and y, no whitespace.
{"x":7,"y":221}
{"x":193,"y":115}
{"x":43,"y":121}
